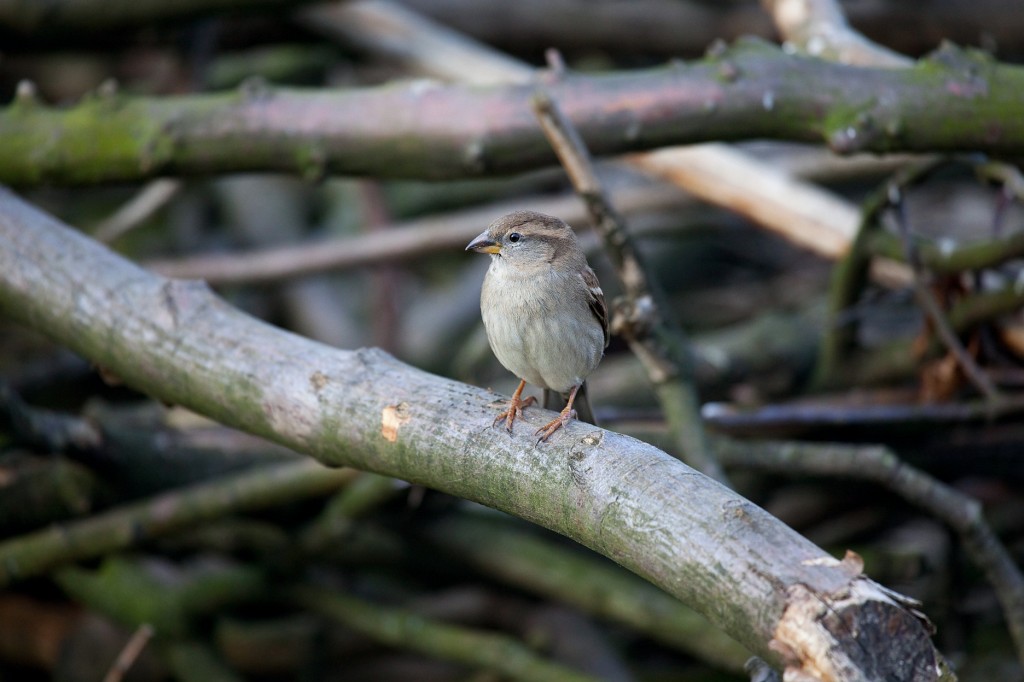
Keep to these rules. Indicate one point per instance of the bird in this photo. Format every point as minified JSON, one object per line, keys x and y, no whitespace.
{"x":544,"y":312}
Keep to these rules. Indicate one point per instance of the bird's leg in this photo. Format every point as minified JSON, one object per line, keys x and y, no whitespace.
{"x":515,"y":407}
{"x":565,"y":416}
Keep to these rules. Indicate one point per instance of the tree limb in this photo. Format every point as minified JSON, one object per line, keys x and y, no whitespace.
{"x":954,"y":101}
{"x":765,"y":585}
{"x":878,"y":464}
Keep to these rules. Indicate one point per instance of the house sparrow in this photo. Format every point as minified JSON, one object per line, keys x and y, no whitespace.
{"x":543,"y":310}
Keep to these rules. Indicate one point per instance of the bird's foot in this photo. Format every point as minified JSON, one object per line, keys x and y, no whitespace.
{"x":564,"y":417}
{"x":514,"y":411}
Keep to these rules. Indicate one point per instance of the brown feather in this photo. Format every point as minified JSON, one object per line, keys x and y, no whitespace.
{"x":596,"y":300}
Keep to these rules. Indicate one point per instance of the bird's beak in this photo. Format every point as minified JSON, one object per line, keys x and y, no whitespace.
{"x":483,"y":243}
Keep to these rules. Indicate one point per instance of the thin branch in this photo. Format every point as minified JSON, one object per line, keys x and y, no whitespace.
{"x":947,"y":259}
{"x":770,"y":418}
{"x":130,"y":652}
{"x":850,"y":277}
{"x":822,"y":222}
{"x":926,"y":299}
{"x":134,"y":212}
{"x":641,"y":316}
{"x":395,"y":243}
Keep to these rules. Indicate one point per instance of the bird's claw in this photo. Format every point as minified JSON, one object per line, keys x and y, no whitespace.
{"x":514,"y":411}
{"x":558,"y":422}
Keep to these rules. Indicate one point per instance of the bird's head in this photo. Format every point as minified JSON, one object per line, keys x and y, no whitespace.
{"x":527,"y":238}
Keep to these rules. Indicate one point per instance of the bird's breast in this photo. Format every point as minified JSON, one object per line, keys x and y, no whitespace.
{"x":539,"y":328}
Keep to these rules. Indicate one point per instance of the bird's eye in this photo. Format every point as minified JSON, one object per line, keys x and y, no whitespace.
{"x":514,"y":237}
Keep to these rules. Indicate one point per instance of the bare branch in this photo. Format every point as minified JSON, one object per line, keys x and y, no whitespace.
{"x":768,"y":587}
{"x":809,"y":215}
{"x":143,"y":205}
{"x":426,"y":47}
{"x":802,"y":213}
{"x":400,"y":241}
{"x":131,"y":651}
{"x":926,"y":299}
{"x":955,"y":101}
{"x":819,"y":28}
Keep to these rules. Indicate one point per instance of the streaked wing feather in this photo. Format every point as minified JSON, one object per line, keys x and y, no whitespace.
{"x":595,"y":300}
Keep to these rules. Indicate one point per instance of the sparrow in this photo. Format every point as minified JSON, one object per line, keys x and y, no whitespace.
{"x":543,"y":310}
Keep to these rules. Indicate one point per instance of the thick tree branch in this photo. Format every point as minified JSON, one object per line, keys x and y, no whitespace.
{"x":767,"y":194}
{"x":875,"y":463}
{"x":767,"y":586}
{"x":955,"y":101}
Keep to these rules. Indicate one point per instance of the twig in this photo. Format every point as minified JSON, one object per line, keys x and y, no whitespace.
{"x":851,"y":276}
{"x":1009,"y":176}
{"x":817,"y":415}
{"x":131,"y":214}
{"x":44,"y":429}
{"x":933,"y":310}
{"x":875,"y":463}
{"x":941,"y":260}
{"x":384,"y":282}
{"x":641,"y":316}
{"x":129,"y":653}
{"x":821,"y":221}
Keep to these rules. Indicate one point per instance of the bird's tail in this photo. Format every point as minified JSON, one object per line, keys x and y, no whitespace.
{"x":553,"y":400}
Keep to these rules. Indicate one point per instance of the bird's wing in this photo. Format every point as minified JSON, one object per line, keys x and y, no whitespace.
{"x":595,"y":299}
